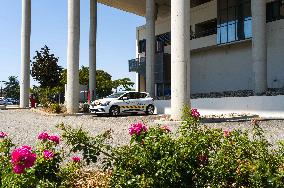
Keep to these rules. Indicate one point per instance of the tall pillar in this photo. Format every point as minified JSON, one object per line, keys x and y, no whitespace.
{"x":72,"y":95}
{"x":92,"y":49}
{"x":25,"y":53}
{"x":180,"y":51}
{"x":150,"y":46}
{"x":259,"y":45}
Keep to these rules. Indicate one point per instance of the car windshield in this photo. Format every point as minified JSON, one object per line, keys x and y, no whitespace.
{"x":115,"y":95}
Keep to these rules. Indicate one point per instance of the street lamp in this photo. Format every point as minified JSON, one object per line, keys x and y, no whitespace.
{"x":1,"y":88}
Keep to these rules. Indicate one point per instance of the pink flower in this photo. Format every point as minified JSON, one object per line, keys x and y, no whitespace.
{"x":195,"y":113}
{"x":76,"y":159}
{"x":227,"y":133}
{"x":54,"y":139}
{"x":22,"y":158}
{"x":18,"y":169}
{"x":43,"y":136}
{"x":3,"y":135}
{"x":137,"y":129}
{"x":165,"y":128}
{"x":48,"y":154}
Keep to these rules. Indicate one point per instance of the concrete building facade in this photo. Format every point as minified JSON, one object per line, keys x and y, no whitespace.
{"x":234,"y":45}
{"x":187,"y":46}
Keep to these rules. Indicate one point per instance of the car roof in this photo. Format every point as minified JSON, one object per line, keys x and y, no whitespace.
{"x":134,"y":92}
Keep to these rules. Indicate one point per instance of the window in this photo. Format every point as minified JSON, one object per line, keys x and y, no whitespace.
{"x":162,"y":41}
{"x":142,"y":46}
{"x":142,"y":95}
{"x":130,"y":95}
{"x":206,"y":28}
{"x":275,"y":10}
{"x":195,"y":3}
{"x":234,"y":21}
{"x":163,"y":91}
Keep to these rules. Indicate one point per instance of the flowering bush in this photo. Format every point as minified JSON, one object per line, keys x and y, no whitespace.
{"x":39,"y":167}
{"x":194,"y":156}
{"x":22,"y":159}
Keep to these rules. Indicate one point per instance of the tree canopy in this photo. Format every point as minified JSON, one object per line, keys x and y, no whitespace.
{"x":12,"y":87}
{"x":104,"y":82}
{"x":45,"y":68}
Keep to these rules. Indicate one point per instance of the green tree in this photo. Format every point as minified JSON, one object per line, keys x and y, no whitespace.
{"x":104,"y":81}
{"x":126,"y":83}
{"x":84,"y":75}
{"x":12,"y":87}
{"x":45,"y":68}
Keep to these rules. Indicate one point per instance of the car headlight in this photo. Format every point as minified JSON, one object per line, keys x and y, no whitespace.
{"x":105,"y":104}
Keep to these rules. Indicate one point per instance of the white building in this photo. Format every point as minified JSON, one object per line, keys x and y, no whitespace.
{"x":221,"y":47}
{"x":186,"y":46}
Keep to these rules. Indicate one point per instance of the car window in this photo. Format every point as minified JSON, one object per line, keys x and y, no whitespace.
{"x":115,"y":95}
{"x":130,"y":95}
{"x":142,"y":95}
{"x":125,"y":95}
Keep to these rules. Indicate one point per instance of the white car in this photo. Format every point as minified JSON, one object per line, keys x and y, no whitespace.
{"x":124,"y":102}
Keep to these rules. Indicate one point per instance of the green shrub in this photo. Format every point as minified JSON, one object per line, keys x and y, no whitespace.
{"x":55,"y":108}
{"x":194,"y":156}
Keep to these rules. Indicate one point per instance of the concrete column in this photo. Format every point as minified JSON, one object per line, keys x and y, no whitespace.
{"x":180,"y":51}
{"x":150,"y":45}
{"x":259,"y":45}
{"x":25,"y":54}
{"x":72,"y":95}
{"x":92,"y":48}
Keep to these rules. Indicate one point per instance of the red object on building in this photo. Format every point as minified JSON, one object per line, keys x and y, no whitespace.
{"x":33,"y":101}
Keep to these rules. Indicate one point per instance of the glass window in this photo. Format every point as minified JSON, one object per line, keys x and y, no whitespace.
{"x":206,"y":28}
{"x":194,"y":3}
{"x":282,"y":9}
{"x":130,"y":95}
{"x":142,"y":95}
{"x":142,"y":46}
{"x":275,"y":10}
{"x":234,"y":20}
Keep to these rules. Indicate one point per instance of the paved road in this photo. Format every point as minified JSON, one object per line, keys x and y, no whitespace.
{"x":24,"y":125}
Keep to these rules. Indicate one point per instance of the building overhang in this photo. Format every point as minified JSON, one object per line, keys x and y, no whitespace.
{"x":138,"y":7}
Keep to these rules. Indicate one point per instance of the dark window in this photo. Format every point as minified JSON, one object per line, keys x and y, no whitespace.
{"x":142,"y":95}
{"x":162,"y":41}
{"x":234,"y":21}
{"x":163,"y":91}
{"x":130,"y":95}
{"x":275,"y":10}
{"x":142,"y":46}
{"x":194,"y":3}
{"x":206,"y":28}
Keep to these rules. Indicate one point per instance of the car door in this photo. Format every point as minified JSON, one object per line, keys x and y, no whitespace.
{"x":134,"y":101}
{"x":142,"y":102}
{"x":124,"y":102}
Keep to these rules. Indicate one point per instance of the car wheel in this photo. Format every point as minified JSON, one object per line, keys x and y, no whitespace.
{"x":114,"y":111}
{"x":150,"y":110}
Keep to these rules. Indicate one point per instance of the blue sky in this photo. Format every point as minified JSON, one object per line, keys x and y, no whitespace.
{"x":115,"y":40}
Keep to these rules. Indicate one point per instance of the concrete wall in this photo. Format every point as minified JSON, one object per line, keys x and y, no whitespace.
{"x":223,"y":68}
{"x":264,"y":106}
{"x":275,"y":54}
